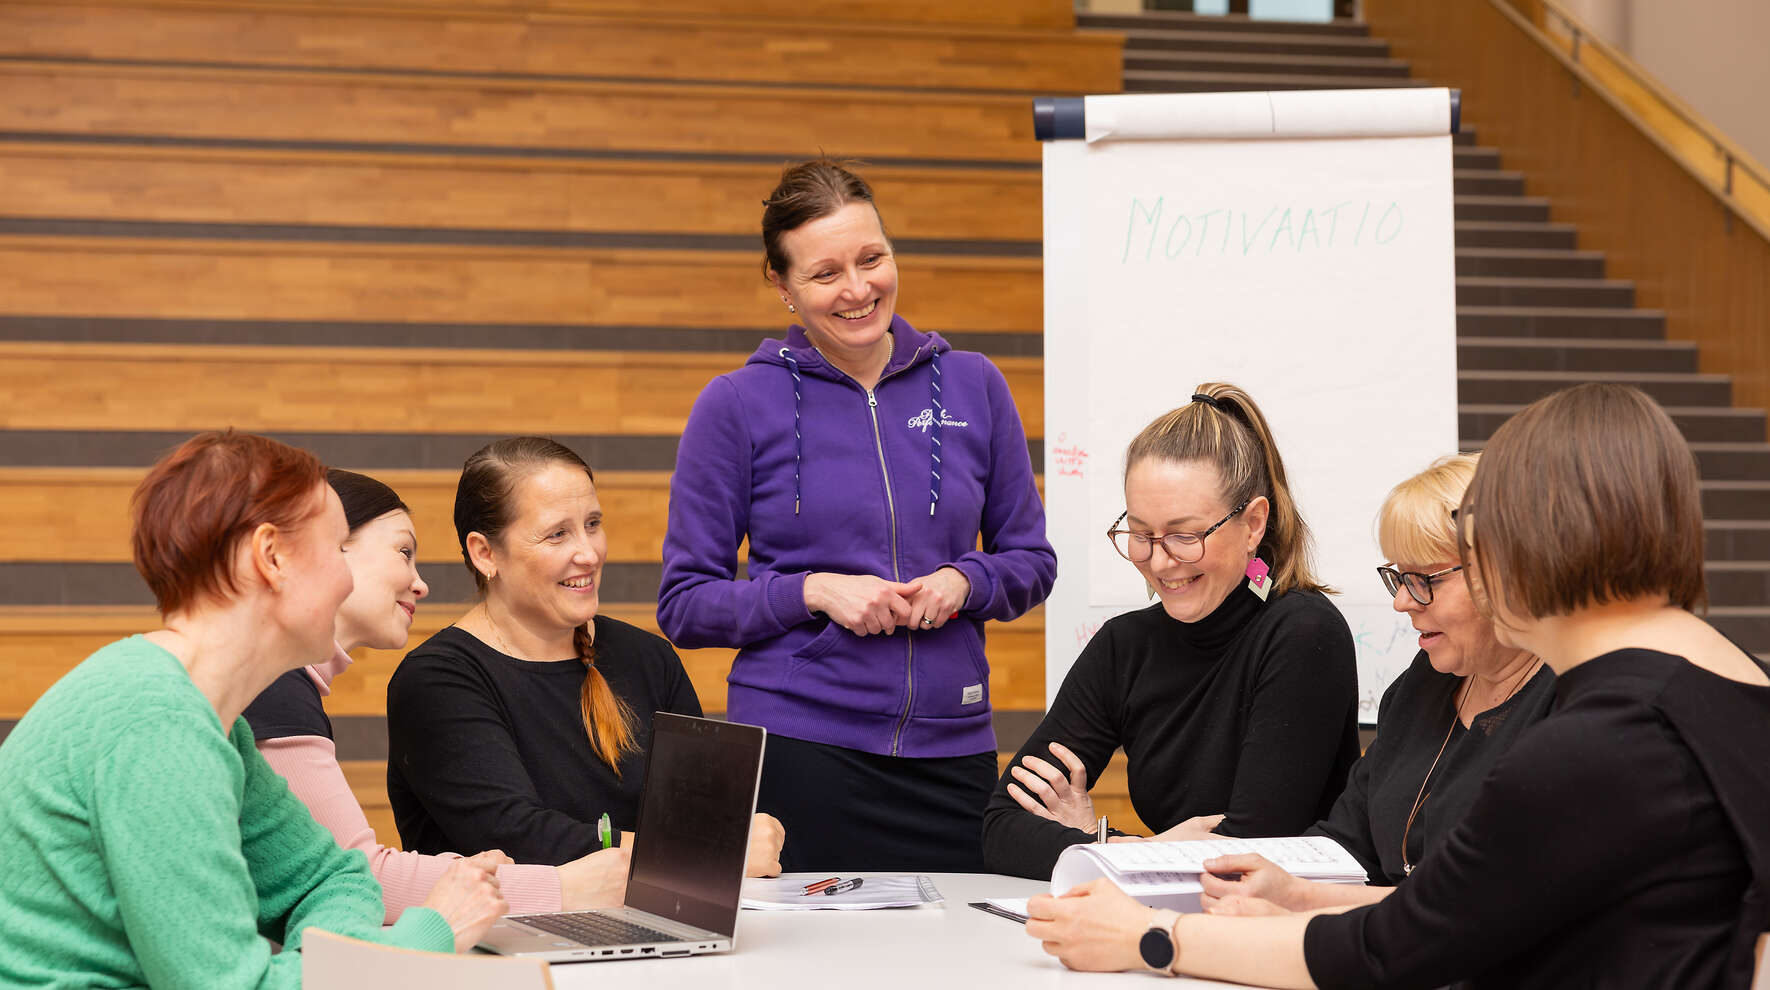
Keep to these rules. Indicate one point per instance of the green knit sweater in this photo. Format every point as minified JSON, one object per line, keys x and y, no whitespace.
{"x":141,"y":845}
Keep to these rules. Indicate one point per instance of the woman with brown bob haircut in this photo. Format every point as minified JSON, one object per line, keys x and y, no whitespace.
{"x":1624,"y":841}
{"x":145,"y":840}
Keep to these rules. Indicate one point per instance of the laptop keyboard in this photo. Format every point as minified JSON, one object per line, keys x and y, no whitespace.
{"x":596,"y":929}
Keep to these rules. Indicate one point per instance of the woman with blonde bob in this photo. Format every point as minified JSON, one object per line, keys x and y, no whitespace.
{"x":1234,"y":696}
{"x":1442,"y":725}
{"x":1625,"y":839}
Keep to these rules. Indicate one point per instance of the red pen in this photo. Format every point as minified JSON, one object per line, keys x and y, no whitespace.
{"x":812,"y":888}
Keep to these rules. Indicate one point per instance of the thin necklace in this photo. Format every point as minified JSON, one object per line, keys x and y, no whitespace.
{"x":890,"y":349}
{"x":1456,"y":718}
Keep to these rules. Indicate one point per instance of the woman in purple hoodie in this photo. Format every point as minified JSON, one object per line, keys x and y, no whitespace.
{"x":862,"y":459}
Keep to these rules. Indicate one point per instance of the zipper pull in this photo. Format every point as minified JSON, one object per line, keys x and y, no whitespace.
{"x":872,"y":400}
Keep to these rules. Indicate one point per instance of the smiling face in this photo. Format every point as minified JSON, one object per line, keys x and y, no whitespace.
{"x":547,"y":564}
{"x":1164,"y":497}
{"x":383,"y":558}
{"x":1455,"y":636}
{"x":841,"y":279}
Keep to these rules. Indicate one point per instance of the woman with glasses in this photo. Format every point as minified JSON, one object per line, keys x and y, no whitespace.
{"x":1624,"y":840}
{"x":1442,"y":725}
{"x":1234,"y":696}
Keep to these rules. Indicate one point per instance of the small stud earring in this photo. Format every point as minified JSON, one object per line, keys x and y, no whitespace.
{"x":790,"y":307}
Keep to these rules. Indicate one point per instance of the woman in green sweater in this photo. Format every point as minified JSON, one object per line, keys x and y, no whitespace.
{"x":145,"y":841}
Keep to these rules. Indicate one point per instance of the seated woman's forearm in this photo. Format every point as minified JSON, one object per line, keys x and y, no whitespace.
{"x":1266,"y":952}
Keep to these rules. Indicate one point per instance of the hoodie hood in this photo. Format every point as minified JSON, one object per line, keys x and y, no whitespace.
{"x":911,"y":347}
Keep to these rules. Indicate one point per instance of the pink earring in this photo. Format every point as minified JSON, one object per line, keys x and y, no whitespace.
{"x":1257,"y":577}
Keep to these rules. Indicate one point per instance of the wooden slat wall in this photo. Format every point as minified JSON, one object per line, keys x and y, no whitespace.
{"x":282,"y":187}
{"x":623,"y":47}
{"x":1656,"y":223}
{"x":420,"y":283}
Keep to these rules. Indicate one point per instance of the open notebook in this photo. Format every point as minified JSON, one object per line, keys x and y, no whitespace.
{"x":1165,"y":874}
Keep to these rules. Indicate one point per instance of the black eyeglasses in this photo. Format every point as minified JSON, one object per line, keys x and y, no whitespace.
{"x":1187,"y":548}
{"x":1419,"y":586}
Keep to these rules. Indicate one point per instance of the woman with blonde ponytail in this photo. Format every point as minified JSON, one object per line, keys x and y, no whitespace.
{"x":1234,"y":696}
{"x":526,"y":721}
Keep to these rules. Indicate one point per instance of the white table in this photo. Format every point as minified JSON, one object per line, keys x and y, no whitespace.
{"x":926,"y":948}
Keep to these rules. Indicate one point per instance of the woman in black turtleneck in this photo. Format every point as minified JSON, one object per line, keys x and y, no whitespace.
{"x":1228,"y":702}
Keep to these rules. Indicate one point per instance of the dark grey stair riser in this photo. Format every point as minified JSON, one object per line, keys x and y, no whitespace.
{"x":1161,"y":82}
{"x":1593,"y":294}
{"x":1723,"y":542}
{"x":1750,"y":631}
{"x":1215,"y":61}
{"x":1520,"y":210}
{"x":1747,"y":586}
{"x":1750,"y":464}
{"x":1619,"y":357}
{"x":1470,"y":157}
{"x":1531,"y":237}
{"x":1620,"y":324}
{"x":1736,"y":503}
{"x":1496,"y":391}
{"x":1474,"y":427}
{"x":1530,"y":266}
{"x":1502,"y":184}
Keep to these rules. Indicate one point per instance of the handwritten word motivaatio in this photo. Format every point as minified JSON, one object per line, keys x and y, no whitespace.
{"x":1157,"y":230}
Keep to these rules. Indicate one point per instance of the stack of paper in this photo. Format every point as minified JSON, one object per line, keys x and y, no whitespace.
{"x":1165,"y":874}
{"x":788,"y":894}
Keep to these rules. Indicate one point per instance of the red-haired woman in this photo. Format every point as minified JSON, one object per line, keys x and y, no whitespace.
{"x":145,"y":840}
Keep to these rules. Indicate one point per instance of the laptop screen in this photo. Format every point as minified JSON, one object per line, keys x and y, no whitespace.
{"x":694,"y":820}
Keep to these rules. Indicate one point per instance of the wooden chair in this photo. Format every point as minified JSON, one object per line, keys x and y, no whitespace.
{"x":1761,"y":971}
{"x":334,"y":962}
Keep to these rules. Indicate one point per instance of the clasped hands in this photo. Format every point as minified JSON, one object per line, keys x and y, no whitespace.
{"x":866,"y":605}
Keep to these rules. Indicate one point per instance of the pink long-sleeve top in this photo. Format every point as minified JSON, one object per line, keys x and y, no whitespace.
{"x":310,"y":765}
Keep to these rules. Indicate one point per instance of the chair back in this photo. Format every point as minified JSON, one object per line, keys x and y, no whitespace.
{"x":335,"y":962}
{"x":1761,"y":964}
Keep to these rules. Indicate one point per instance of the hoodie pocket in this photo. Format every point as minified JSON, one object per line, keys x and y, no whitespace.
{"x":815,"y":648}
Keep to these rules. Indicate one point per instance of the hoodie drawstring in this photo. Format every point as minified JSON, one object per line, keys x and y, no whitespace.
{"x":934,"y":432}
{"x":798,"y":437}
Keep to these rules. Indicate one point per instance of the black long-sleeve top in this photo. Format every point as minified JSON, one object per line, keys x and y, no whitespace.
{"x":486,"y":751}
{"x":1250,"y":712}
{"x":1417,"y":713}
{"x":1614,"y":845}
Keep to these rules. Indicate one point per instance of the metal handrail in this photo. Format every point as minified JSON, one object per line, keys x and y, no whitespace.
{"x":1733,"y":158}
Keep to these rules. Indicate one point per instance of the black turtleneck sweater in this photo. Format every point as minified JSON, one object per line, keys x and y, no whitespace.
{"x":1250,"y":713}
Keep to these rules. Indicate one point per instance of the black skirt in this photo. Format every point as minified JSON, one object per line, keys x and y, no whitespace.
{"x":846,"y":811}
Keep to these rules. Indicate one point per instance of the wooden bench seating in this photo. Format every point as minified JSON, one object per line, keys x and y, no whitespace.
{"x":42,"y":644}
{"x":52,"y":386}
{"x":623,"y":46}
{"x":164,"y":277}
{"x":198,"y":185}
{"x":1008,"y":13}
{"x":378,"y":109}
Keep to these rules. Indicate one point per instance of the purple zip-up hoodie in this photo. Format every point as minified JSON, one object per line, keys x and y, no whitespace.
{"x":821,"y":475}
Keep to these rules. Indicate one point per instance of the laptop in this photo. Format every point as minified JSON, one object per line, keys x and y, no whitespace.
{"x":687,"y":869}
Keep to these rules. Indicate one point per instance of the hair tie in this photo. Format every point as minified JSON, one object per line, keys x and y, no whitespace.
{"x":1206,"y":399}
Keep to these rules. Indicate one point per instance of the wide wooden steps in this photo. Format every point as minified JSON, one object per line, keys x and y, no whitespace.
{"x":44,"y":643}
{"x":366,"y":110}
{"x":566,"y":46}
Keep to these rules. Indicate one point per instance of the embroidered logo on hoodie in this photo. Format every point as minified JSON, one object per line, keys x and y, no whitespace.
{"x":924,"y":419}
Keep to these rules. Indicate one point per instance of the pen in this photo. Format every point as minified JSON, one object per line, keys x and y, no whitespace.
{"x":605,"y":832}
{"x":1100,"y":830}
{"x":844,"y":885}
{"x":812,"y":888}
